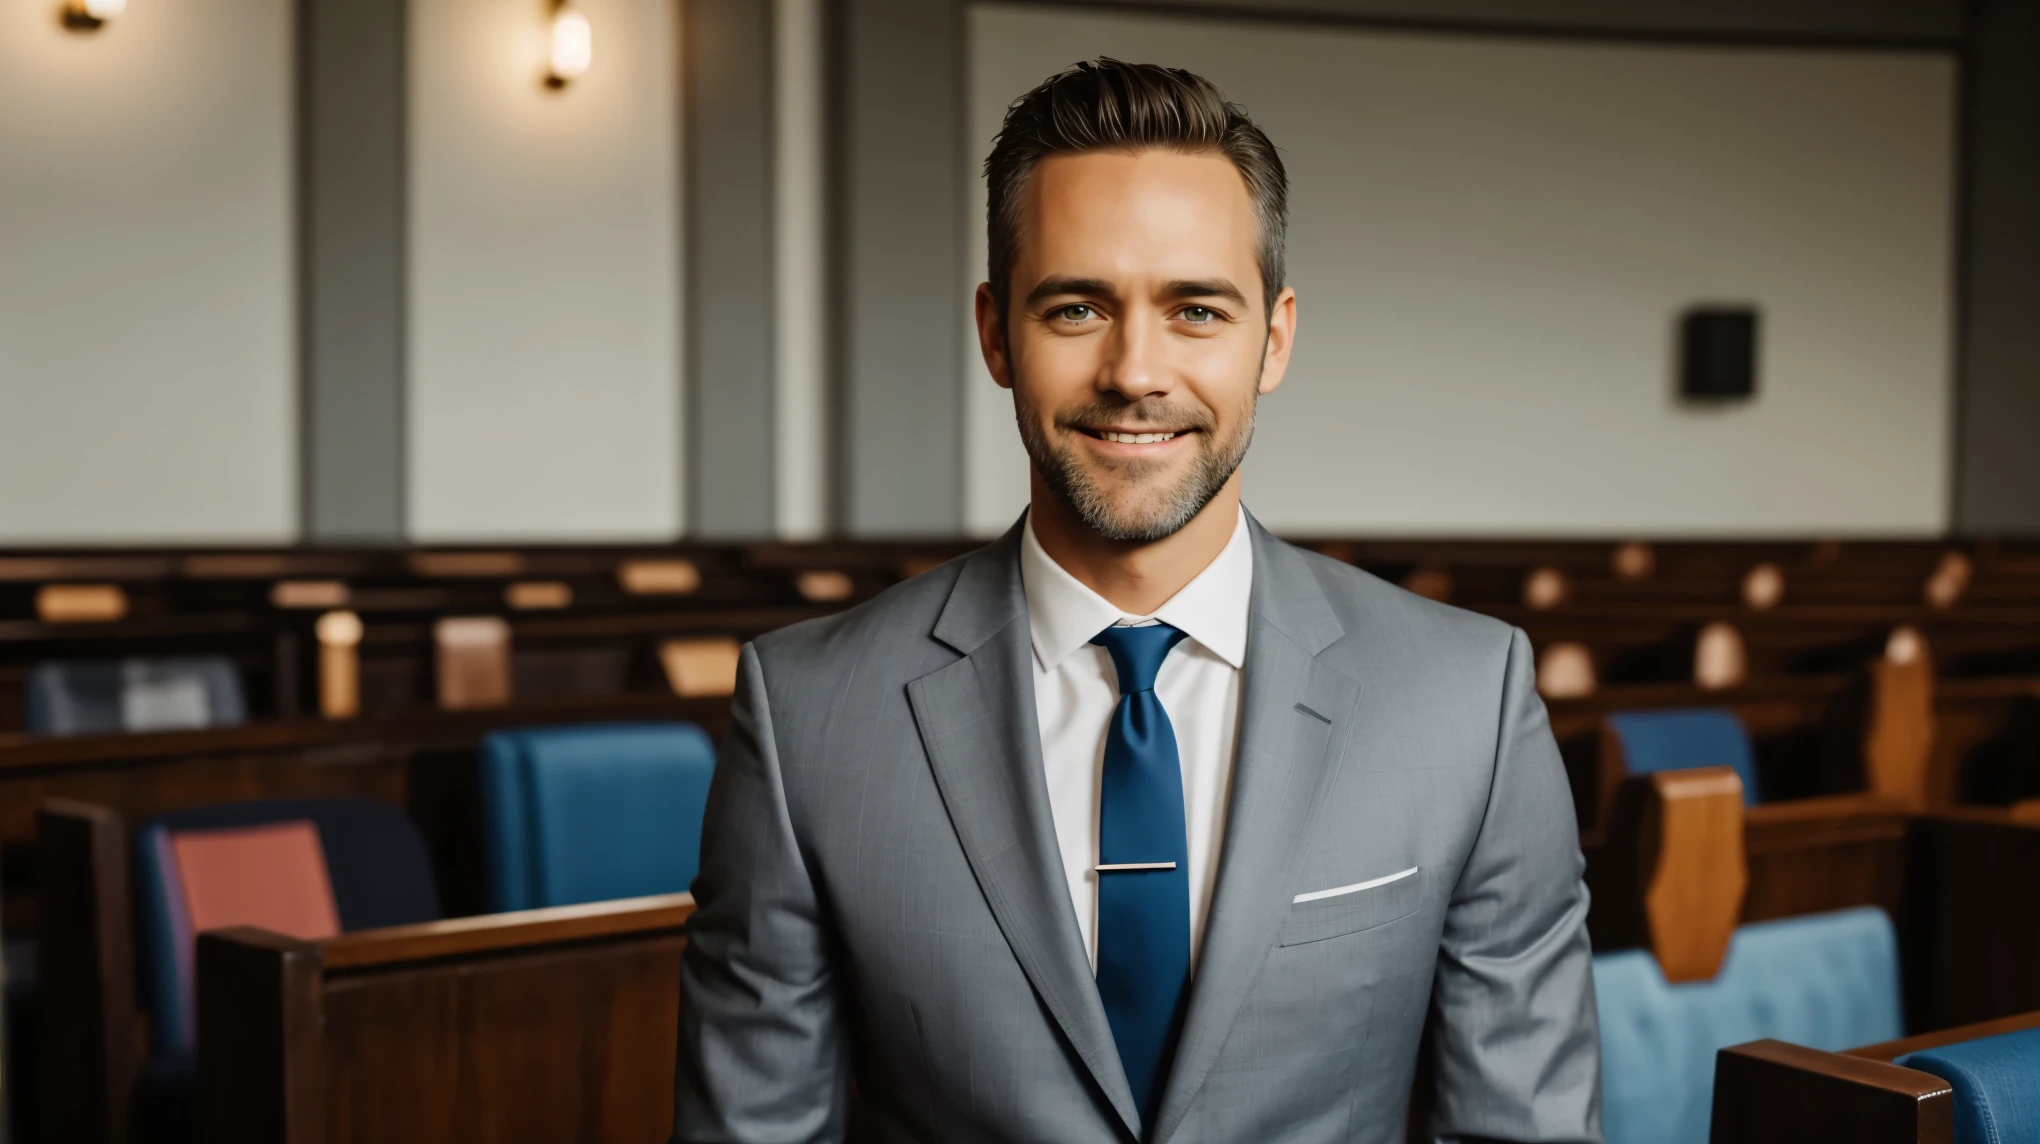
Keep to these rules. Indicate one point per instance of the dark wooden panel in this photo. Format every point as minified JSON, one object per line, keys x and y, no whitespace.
{"x":555,"y":1025}
{"x":1825,"y":854}
{"x":261,"y":1018}
{"x":1972,"y":932}
{"x":1770,"y":1091}
{"x":90,"y":1038}
{"x":570,"y":1044}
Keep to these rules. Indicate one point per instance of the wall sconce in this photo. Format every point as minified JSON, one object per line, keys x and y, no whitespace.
{"x":91,"y":15}
{"x":570,"y":45}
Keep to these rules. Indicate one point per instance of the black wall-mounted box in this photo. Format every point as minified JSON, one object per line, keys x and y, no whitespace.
{"x":1718,"y":353}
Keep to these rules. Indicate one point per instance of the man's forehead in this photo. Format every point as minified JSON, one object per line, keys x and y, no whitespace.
{"x":1165,"y":214}
{"x":1153,"y":182}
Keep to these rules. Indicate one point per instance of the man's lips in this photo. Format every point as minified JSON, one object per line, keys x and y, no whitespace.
{"x":1141,"y":436}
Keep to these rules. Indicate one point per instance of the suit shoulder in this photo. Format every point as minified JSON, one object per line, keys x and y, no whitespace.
{"x":824,"y":642}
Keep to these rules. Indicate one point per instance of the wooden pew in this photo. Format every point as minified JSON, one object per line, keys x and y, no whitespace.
{"x":92,"y":1023}
{"x":1987,"y":742}
{"x":1682,"y":863}
{"x":68,"y":890}
{"x":1870,"y":731}
{"x":595,"y":614}
{"x":1962,"y":886}
{"x":1643,"y":644}
{"x":1769,"y":1091}
{"x":422,"y":761}
{"x":554,"y":1024}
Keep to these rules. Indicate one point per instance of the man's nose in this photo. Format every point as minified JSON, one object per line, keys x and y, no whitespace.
{"x":1133,"y":366}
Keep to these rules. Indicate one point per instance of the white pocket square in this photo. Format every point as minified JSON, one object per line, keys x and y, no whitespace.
{"x":1355,"y":888}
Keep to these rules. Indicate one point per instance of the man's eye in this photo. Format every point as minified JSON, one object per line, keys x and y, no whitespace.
{"x":1197,"y":315}
{"x":1076,"y":313}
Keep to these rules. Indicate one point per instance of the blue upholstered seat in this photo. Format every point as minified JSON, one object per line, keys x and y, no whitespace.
{"x":1828,"y":981}
{"x":1684,"y":738}
{"x":1996,"y":1082}
{"x":99,"y":697}
{"x":583,"y":814}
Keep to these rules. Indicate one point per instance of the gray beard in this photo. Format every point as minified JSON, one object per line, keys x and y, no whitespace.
{"x":1123,"y":519}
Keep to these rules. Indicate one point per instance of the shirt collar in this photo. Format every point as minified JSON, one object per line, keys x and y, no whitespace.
{"x":1063,"y":613}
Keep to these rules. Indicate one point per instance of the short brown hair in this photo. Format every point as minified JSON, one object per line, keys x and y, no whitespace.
{"x":1107,"y":105}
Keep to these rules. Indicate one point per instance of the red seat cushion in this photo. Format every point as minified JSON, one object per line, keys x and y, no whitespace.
{"x":272,"y":876}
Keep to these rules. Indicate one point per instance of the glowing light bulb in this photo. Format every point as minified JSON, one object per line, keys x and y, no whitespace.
{"x":90,"y":15}
{"x":572,"y":46}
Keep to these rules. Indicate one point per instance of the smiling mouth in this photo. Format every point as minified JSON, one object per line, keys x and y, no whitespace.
{"x":1120,"y":438}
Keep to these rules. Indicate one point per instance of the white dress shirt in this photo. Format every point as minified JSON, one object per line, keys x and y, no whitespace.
{"x":1076,"y":688}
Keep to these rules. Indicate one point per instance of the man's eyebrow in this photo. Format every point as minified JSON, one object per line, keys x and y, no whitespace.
{"x":1205,"y":288}
{"x":1055,"y":287}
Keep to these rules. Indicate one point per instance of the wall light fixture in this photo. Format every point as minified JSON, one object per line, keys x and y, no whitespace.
{"x":570,"y":45}
{"x":91,"y":15}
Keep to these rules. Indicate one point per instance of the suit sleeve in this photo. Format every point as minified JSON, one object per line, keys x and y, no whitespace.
{"x":762,"y":1055}
{"x":1514,"y":1027}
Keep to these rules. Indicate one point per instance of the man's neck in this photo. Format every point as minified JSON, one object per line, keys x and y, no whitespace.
{"x":1137,"y":577}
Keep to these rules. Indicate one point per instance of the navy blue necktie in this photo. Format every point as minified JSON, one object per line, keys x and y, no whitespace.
{"x":1143,"y":868}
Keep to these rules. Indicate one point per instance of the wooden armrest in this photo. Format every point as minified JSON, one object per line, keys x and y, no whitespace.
{"x":1767,"y":1091}
{"x":483,"y":933}
{"x":1891,"y":1050}
{"x":495,"y":932}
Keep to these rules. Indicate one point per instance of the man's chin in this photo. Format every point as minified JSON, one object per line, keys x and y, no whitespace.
{"x":1137,"y":514}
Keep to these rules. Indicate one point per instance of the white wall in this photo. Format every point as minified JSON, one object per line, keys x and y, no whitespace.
{"x":544,"y":306}
{"x":1491,"y":240}
{"x":147,"y":373}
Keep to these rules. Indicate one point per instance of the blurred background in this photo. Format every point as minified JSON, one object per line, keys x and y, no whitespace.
{"x":354,"y":271}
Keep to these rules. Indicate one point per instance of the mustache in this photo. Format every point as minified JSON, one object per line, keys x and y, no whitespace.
{"x":1147,"y":411}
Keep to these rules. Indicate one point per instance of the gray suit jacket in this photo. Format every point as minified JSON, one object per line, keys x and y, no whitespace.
{"x":880,"y":887}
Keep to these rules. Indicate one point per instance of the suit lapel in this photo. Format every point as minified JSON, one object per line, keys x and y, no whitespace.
{"x":1284,"y":756}
{"x":977,"y":723}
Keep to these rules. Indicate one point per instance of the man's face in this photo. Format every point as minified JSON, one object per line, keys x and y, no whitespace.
{"x":1136,"y":340}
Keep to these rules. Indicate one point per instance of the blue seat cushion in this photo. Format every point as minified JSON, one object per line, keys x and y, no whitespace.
{"x":583,"y":814}
{"x":140,"y":694}
{"x":1996,"y":1082}
{"x":1686,"y":738}
{"x":1827,"y":981}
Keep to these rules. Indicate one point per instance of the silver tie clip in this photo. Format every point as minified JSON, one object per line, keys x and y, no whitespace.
{"x":1110,"y":867}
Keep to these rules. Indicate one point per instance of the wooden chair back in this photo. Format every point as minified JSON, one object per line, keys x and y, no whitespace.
{"x":1671,"y":874}
{"x":473,"y":662}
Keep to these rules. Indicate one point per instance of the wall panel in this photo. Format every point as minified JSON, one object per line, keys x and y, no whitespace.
{"x":544,"y":287}
{"x":147,"y":357}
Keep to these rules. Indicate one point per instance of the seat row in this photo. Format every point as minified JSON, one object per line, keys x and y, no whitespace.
{"x":1715,"y":925}
{"x":572,"y":815}
{"x":344,"y":633}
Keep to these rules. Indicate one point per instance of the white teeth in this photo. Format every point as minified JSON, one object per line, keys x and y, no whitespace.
{"x":1136,"y":438}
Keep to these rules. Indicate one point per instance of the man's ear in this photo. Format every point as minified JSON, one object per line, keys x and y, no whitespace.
{"x":991,"y":328}
{"x":1281,"y":339}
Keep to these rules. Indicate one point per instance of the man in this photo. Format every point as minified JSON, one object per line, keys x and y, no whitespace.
{"x":1138,"y":824}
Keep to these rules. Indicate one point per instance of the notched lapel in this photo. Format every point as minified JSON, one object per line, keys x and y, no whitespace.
{"x":977,"y":723}
{"x":1296,"y":714}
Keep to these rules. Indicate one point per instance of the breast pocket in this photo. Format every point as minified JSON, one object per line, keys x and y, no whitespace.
{"x":1339,"y":910}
